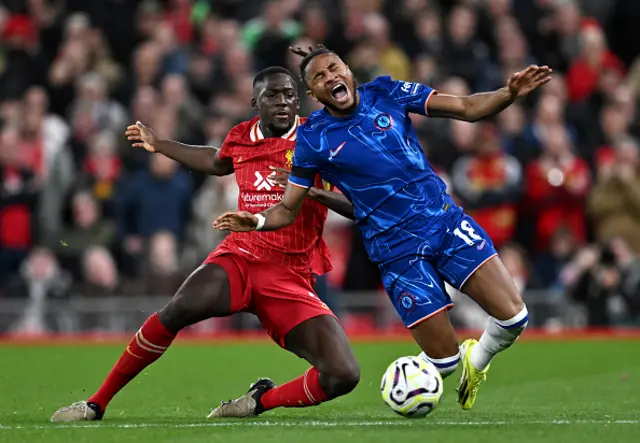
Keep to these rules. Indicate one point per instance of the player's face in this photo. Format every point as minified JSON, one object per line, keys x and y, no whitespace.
{"x":331,"y":83}
{"x":277,"y":103}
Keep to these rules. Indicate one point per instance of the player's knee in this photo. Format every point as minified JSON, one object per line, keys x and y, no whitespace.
{"x":343,"y":379}
{"x":516,"y":306}
{"x":171,"y":317}
{"x":512,"y":306}
{"x":347,"y":381}
{"x":176,"y":315}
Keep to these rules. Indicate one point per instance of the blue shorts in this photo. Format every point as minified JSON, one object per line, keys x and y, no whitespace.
{"x":455,"y":249}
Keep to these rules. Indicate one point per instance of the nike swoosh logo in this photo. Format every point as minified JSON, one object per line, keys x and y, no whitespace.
{"x":136,"y":356}
{"x":333,"y":153}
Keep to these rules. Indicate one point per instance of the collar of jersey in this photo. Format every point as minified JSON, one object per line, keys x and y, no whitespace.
{"x":256,"y":132}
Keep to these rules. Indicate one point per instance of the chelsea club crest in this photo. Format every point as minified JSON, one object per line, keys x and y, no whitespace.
{"x":407,"y":301}
{"x":383,"y":121}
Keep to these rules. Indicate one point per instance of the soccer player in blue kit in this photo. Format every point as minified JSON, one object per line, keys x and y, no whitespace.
{"x":364,"y":143}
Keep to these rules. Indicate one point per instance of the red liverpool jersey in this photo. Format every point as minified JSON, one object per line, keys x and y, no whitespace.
{"x":300,"y":245}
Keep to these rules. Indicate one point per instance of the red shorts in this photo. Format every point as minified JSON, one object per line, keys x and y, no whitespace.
{"x":280,"y":297}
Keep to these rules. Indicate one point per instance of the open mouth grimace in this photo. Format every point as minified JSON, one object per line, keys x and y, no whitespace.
{"x":340,"y":92}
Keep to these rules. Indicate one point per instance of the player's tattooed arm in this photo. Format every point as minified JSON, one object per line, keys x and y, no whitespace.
{"x":335,"y":201}
{"x":475,"y":107}
{"x":276,"y":217}
{"x":200,"y":158}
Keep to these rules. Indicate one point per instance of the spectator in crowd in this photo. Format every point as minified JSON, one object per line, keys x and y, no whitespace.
{"x":429,"y":33}
{"x":100,"y":276}
{"x":151,"y":201}
{"x":389,"y":56}
{"x":88,"y":229}
{"x":270,"y":28}
{"x":21,"y":67}
{"x":49,"y":158}
{"x":188,"y":112}
{"x":608,"y":293}
{"x":39,"y":280}
{"x":595,"y":58}
{"x":551,"y":265}
{"x":488,"y":184}
{"x":556,"y":185}
{"x":462,"y":54}
{"x":516,"y":261}
{"x":511,"y":124}
{"x":615,"y":201}
{"x":164,"y":274}
{"x":19,"y":191}
{"x":101,"y":169}
{"x":549,"y":113}
{"x":73,"y":73}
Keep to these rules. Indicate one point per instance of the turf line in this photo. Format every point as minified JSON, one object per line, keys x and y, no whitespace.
{"x":531,"y":334}
{"x":319,"y":424}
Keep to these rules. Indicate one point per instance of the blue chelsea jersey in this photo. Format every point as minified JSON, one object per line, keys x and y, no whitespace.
{"x":373,"y":156}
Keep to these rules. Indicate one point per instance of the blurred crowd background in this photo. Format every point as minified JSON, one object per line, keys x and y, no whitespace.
{"x":85,"y":220}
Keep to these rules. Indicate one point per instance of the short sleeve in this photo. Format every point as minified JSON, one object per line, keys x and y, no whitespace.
{"x":413,"y":96}
{"x":303,"y":172}
{"x":225,"y":151}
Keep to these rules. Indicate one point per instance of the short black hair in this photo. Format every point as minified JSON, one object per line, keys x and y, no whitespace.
{"x":271,"y":70}
{"x":309,"y":55}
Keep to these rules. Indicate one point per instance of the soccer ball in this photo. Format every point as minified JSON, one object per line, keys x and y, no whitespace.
{"x":411,"y":387}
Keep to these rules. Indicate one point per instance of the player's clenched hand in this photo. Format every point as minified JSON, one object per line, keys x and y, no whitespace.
{"x":522,"y":83}
{"x":144,"y":136}
{"x":240,"y":221}
{"x":282,"y":176}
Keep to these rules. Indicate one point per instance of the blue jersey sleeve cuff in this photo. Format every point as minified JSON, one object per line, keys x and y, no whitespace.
{"x":426,"y":102}
{"x":300,"y":182}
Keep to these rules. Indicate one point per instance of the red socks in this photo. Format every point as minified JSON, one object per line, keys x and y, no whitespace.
{"x":153,"y":339}
{"x":298,"y":393}
{"x":148,"y":345}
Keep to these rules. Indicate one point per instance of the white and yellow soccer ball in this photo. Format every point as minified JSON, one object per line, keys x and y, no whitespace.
{"x":412,"y":387}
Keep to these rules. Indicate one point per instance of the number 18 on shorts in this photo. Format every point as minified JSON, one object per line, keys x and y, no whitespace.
{"x":416,"y":285}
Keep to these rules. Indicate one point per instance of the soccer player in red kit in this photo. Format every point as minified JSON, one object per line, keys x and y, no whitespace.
{"x":267,"y":273}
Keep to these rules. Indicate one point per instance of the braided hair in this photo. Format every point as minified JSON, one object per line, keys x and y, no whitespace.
{"x":307,"y":56}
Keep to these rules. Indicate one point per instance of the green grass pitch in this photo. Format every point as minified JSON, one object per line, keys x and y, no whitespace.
{"x":537,"y":391}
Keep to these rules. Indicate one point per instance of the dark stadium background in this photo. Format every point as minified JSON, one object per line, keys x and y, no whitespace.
{"x":89,"y":242}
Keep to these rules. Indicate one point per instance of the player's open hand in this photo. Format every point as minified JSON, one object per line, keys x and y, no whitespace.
{"x":240,"y":221}
{"x":522,"y":83}
{"x":143,"y":136}
{"x":282,"y":176}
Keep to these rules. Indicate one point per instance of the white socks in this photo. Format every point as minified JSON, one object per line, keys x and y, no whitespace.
{"x":446,"y":366}
{"x":498,"y":336}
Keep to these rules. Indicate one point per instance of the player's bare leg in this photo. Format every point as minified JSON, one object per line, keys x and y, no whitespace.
{"x":323,"y":343}
{"x":437,"y":339}
{"x":204,"y":294}
{"x":335,"y":372}
{"x":493,"y":289}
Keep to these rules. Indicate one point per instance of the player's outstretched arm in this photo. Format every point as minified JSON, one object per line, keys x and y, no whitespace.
{"x":478,"y":106}
{"x":333,"y":200}
{"x":276,"y":217}
{"x":200,"y":158}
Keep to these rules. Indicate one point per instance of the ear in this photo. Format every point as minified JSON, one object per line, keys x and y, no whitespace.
{"x":254,"y":104}
{"x":297,"y":104}
{"x":311,"y":95}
